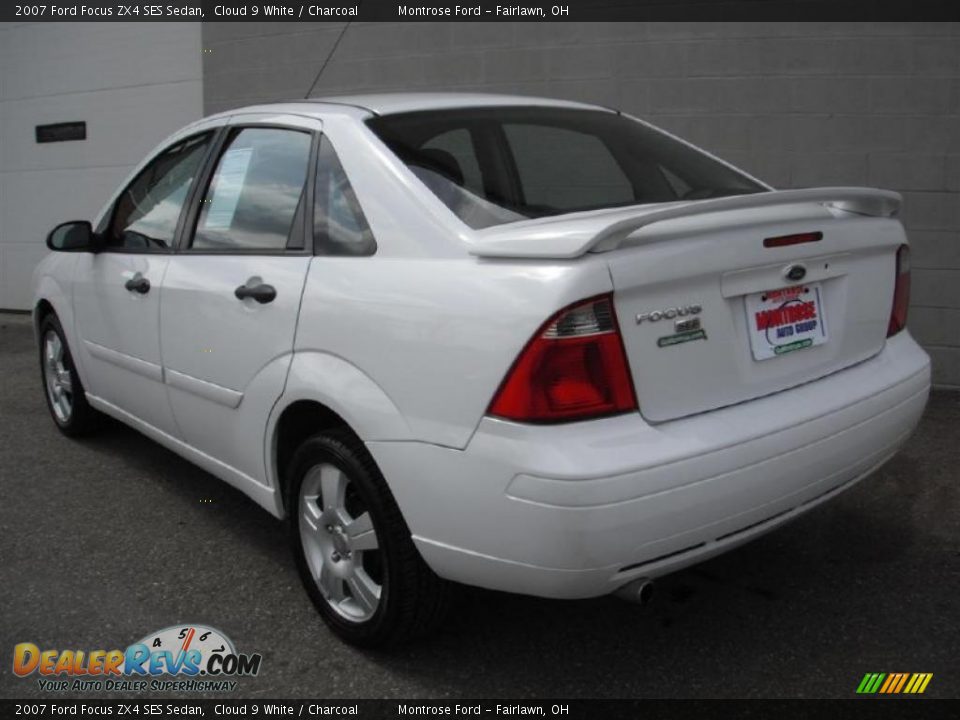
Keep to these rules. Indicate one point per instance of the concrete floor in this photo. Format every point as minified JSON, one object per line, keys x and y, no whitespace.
{"x":104,"y":540}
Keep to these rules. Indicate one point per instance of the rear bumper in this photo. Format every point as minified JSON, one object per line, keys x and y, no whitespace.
{"x":579,"y":510}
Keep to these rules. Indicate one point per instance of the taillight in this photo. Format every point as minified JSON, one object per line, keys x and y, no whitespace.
{"x":901,"y":292}
{"x":574,"y":368}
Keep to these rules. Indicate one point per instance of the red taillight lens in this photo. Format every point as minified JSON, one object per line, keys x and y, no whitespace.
{"x":574,"y":368}
{"x":901,"y":293}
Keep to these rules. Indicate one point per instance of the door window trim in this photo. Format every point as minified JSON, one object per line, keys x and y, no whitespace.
{"x":107,"y":222}
{"x":304,"y":213}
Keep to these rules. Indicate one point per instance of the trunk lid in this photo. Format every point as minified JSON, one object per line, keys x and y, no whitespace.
{"x":750,"y":309}
{"x":704,"y":304}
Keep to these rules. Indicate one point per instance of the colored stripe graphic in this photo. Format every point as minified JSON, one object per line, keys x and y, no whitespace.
{"x":871,"y":683}
{"x":894,"y":683}
{"x":897,"y":682}
{"x":897,"y":685}
{"x":891,"y":680}
{"x":918,"y":683}
{"x":903,"y":680}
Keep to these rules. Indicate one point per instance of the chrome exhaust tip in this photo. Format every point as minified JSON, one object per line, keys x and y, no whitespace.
{"x":637,"y":591}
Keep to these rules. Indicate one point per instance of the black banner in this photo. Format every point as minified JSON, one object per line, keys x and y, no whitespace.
{"x":477,"y":10}
{"x":901,"y":709}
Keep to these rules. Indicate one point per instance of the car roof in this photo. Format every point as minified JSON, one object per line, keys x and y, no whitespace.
{"x":391,"y":103}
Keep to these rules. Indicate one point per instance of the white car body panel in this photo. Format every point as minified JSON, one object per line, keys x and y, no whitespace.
{"x":226,"y":360}
{"x":52,"y":283}
{"x":410,"y":345}
{"x":119,"y":333}
{"x":447,"y":351}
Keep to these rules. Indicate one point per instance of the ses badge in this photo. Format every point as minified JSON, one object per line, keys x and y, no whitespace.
{"x":685,"y":328}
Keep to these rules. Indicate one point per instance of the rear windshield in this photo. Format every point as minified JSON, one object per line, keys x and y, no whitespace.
{"x":492,"y":166}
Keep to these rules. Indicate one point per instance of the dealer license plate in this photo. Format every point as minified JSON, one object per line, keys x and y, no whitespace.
{"x":785,"y":320}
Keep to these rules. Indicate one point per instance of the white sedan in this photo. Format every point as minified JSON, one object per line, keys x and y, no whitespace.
{"x":530,"y":345}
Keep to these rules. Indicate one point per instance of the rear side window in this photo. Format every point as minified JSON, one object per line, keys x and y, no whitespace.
{"x":147,"y":212}
{"x":496,"y":165}
{"x":256,"y":191}
{"x":339,"y":225}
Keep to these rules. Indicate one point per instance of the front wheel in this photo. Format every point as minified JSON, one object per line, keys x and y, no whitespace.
{"x":353,"y":548}
{"x":66,"y":398}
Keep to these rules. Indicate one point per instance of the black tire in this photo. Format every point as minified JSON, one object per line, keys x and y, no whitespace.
{"x":413,"y":599}
{"x":82,"y":419}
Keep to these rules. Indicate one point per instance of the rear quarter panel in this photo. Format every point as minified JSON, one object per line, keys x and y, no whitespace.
{"x":436,"y":336}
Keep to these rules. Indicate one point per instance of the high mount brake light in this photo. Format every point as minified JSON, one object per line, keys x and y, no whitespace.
{"x":798,"y":239}
{"x":901,"y":292}
{"x":574,"y":368}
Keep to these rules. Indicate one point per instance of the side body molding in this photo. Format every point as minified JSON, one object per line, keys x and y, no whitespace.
{"x":207,"y":390}
{"x":127,"y":362}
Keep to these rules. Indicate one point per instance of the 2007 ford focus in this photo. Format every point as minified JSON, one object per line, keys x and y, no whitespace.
{"x":524,"y":344}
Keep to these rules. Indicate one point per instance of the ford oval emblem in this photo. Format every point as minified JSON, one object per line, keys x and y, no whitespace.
{"x":795,"y":273}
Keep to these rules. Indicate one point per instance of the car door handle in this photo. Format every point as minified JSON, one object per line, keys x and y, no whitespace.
{"x":138,"y":284}
{"x":262,"y":293}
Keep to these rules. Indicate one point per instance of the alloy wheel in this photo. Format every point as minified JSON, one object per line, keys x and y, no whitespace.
{"x":340,"y":543}
{"x":57,"y":378}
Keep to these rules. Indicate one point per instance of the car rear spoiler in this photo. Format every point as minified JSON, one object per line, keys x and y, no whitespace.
{"x":569,"y":236}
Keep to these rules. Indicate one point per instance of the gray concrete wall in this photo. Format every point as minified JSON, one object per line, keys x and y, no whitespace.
{"x":133,"y":84}
{"x":796,"y":103}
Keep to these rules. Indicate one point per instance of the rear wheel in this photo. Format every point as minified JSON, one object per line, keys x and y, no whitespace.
{"x":66,"y":399}
{"x":353,"y":548}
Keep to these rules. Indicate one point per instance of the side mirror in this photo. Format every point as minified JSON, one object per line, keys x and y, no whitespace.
{"x":74,"y":236}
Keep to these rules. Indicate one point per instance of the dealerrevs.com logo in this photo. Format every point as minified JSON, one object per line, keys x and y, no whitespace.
{"x":198,"y":658}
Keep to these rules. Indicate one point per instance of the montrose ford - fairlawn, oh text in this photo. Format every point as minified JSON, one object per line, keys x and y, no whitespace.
{"x":479,"y":11}
{"x":478,"y":710}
